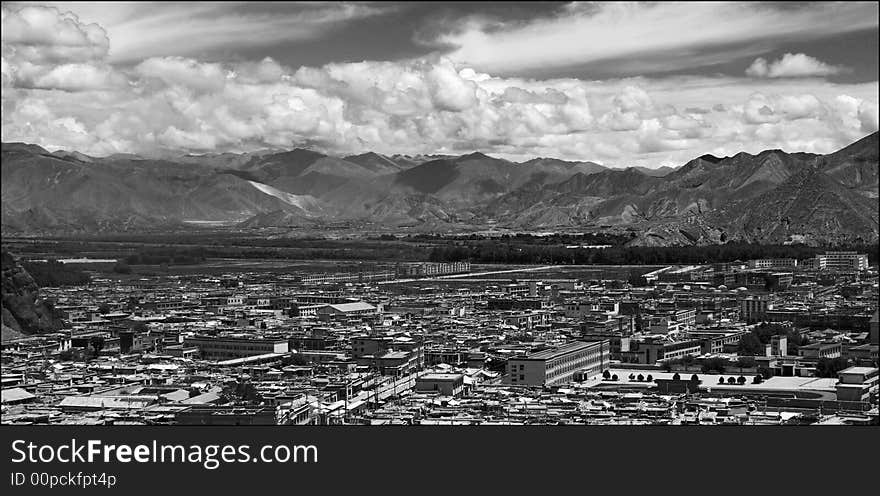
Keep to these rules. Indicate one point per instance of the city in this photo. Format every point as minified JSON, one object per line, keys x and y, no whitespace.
{"x":753,"y":342}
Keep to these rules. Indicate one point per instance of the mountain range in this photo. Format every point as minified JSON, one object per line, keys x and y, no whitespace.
{"x":773,"y":196}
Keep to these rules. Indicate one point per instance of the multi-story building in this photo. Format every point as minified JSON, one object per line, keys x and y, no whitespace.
{"x":770,"y":263}
{"x":753,"y":309}
{"x":857,"y":383}
{"x":673,"y":321}
{"x":432,"y":269}
{"x":650,"y":351}
{"x":580,"y":309}
{"x":526,"y":320}
{"x":827,"y":349}
{"x":842,"y":260}
{"x":227,"y":348}
{"x":716,"y":341}
{"x":558,"y":365}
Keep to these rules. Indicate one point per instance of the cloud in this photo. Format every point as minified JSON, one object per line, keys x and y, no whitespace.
{"x":792,"y":65}
{"x":868,"y":117}
{"x":158,"y":29}
{"x":178,"y":104}
{"x":43,"y":47}
{"x":645,"y":37}
{"x":45,"y":34}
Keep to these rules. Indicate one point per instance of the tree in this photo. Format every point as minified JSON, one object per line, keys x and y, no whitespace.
{"x":741,"y":380}
{"x":242,"y":391}
{"x":640,"y":378}
{"x":632,"y":377}
{"x":121,"y":268}
{"x":676,"y":377}
{"x":720,"y":380}
{"x":97,"y":344}
{"x":650,"y":378}
{"x":606,"y":375}
{"x":614,"y":377}
{"x":104,"y":308}
{"x":757,"y":379}
{"x":716,"y":364}
{"x":687,"y":361}
{"x":829,"y":367}
{"x":695,"y":378}
{"x":745,"y":362}
{"x":731,"y":380}
{"x":750,"y":344}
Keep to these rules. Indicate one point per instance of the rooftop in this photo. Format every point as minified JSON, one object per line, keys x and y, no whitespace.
{"x":562,"y":350}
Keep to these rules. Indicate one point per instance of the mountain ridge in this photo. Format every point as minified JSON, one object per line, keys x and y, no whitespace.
{"x":68,"y":191}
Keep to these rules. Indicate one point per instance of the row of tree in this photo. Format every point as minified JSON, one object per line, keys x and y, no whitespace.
{"x":513,"y":251}
{"x":54,"y":273}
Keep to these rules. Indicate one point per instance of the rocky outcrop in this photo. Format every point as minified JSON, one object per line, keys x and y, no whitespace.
{"x":24,"y":312}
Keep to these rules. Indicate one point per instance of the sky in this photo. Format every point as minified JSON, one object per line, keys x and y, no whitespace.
{"x":621,"y":84}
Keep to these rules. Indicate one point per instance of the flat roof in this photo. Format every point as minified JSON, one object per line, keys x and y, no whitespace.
{"x":858,"y":370}
{"x":352,"y":307}
{"x":440,"y":377}
{"x":562,"y":350}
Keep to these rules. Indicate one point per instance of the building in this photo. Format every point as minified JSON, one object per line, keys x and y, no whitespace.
{"x":388,"y":355}
{"x":779,"y":345}
{"x":650,"y":351}
{"x":673,"y":322}
{"x":753,"y":309}
{"x":526,"y":320}
{"x":429,"y":269}
{"x":771,"y":263}
{"x":517,"y":304}
{"x":356,"y":309}
{"x":581,"y":309}
{"x":717,"y":341}
{"x":558,"y":365}
{"x":842,"y":260}
{"x":227,"y":348}
{"x":857,"y":383}
{"x":445,"y":384}
{"x":826,"y":349}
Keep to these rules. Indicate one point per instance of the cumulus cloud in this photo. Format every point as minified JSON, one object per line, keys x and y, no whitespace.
{"x":45,"y":34}
{"x":46,"y":48}
{"x":792,"y":65}
{"x":431,"y":105}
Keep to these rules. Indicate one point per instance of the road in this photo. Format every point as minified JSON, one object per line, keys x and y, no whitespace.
{"x":470,"y":274}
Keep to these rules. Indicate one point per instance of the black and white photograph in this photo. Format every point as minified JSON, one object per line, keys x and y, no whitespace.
{"x":318,"y":215}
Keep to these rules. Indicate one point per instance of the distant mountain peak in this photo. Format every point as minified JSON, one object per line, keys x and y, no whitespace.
{"x":708,"y":157}
{"x":476,"y":156}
